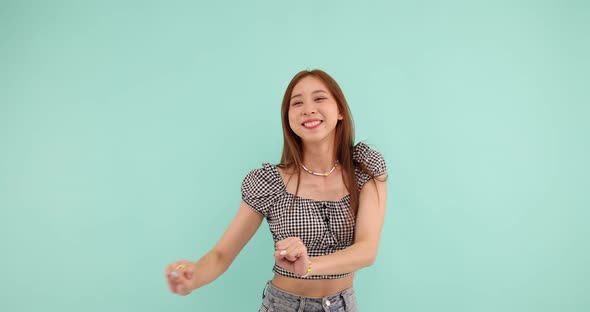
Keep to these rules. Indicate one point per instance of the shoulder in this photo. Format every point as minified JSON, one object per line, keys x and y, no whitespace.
{"x":369,"y":163}
{"x":265,"y":173}
{"x":260,"y":187}
{"x":266,"y":177}
{"x":370,"y":158}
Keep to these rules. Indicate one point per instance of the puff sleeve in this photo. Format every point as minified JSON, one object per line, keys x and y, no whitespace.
{"x":260,"y":188}
{"x":372,"y":161}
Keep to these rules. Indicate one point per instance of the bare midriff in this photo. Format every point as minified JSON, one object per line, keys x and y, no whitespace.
{"x":312,"y":288}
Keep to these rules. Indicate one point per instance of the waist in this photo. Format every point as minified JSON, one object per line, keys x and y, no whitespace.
{"x":312,"y":288}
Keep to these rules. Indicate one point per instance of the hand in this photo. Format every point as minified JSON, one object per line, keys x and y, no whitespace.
{"x":180,"y":275}
{"x":291,"y":255}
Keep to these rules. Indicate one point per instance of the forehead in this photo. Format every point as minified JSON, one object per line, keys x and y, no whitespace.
{"x":308,"y":85}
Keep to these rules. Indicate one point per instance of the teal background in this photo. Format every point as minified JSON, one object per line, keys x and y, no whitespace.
{"x":126,"y":129}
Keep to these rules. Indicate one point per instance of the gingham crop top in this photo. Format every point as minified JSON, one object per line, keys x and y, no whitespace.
{"x":323,"y":226}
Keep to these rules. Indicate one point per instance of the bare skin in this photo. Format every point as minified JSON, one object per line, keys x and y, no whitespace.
{"x":330,"y":188}
{"x":313,"y":115}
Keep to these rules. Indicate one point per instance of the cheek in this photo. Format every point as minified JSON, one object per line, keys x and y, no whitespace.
{"x":292,"y":119}
{"x":334,"y":112}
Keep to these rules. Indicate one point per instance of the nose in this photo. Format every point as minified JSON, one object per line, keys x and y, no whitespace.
{"x":308,"y":109}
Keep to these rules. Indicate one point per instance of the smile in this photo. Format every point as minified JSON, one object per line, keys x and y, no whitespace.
{"x":312,"y":123}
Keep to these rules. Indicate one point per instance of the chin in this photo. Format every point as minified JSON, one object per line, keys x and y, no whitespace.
{"x":312,"y":139}
{"x":307,"y":136}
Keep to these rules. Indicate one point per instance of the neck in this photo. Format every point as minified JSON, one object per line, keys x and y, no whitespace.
{"x":319,"y":156}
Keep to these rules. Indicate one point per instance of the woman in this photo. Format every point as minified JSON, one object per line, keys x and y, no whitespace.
{"x":324,"y":203}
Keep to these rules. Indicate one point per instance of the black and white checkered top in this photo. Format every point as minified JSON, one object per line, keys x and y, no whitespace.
{"x":323,"y":226}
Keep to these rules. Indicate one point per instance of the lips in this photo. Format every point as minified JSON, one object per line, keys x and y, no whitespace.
{"x":312,"y":123}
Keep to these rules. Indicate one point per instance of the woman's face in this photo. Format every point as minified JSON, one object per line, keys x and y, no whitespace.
{"x":313,"y":111}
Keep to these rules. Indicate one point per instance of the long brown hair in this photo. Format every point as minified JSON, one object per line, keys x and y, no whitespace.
{"x":344,"y":138}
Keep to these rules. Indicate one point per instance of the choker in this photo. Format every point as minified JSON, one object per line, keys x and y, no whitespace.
{"x":323,"y":174}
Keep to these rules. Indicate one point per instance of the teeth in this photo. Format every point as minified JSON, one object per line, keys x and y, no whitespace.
{"x":312,"y":123}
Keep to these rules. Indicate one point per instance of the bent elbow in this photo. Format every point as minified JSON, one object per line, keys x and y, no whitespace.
{"x":370,"y":258}
{"x":372,"y":255}
{"x":367,"y":254}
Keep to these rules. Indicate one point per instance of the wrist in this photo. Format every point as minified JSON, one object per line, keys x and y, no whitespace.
{"x":308,"y":270}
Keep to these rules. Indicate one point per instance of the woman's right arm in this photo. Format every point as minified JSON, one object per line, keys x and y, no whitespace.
{"x":218,"y":260}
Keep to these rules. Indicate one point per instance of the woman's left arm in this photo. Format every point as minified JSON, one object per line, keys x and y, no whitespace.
{"x":369,"y":221}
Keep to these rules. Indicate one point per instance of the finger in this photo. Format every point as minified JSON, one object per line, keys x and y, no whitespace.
{"x":169,"y":268}
{"x":172,"y":286}
{"x":175,"y":274}
{"x":188,"y":271}
{"x":292,"y":253}
{"x":172,"y":267}
{"x":171,"y":276}
{"x":296,"y":251}
{"x":175,"y":277}
{"x":185,"y":272}
{"x":285,"y":243}
{"x":290,"y":257}
{"x":284,"y":263}
{"x":183,"y":288}
{"x":283,"y":255}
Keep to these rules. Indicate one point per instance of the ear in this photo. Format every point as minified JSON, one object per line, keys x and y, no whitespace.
{"x":340,"y":117}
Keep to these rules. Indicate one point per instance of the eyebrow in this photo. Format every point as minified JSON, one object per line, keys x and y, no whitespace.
{"x":316,"y":91}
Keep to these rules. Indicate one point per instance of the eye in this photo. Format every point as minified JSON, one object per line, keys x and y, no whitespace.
{"x":296,"y":103}
{"x":320,"y":99}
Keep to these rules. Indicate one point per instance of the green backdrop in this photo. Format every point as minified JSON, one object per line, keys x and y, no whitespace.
{"x":126,"y":128}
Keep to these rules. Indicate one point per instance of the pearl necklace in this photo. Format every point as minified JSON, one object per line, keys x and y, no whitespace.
{"x":325,"y":174}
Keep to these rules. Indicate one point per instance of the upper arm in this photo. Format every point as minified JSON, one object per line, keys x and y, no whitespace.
{"x":240,"y":231}
{"x":371,"y":212}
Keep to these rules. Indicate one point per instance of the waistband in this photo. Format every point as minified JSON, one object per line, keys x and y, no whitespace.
{"x":287,"y":295}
